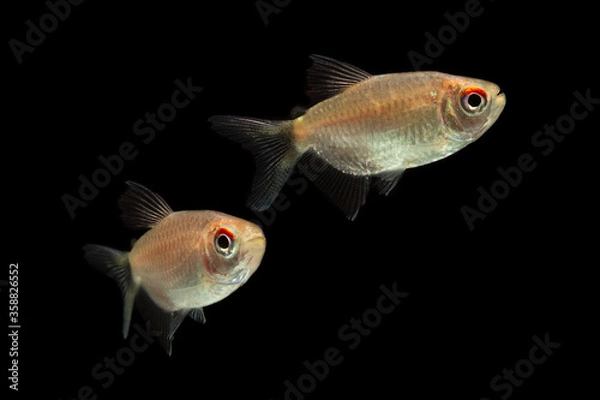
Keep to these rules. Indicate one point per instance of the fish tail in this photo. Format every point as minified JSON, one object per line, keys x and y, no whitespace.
{"x":115,"y":263}
{"x":274,"y":150}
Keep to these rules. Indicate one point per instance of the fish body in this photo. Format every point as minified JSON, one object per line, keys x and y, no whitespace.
{"x":186,"y":261}
{"x":365,"y":130}
{"x":385,"y":123}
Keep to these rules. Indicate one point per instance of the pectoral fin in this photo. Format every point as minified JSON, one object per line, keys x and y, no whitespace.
{"x":197,"y":314}
{"x":384,"y":183}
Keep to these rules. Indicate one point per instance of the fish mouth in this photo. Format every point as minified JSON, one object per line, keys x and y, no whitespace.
{"x":499,"y":103}
{"x":500,"y":96}
{"x":254,"y":249}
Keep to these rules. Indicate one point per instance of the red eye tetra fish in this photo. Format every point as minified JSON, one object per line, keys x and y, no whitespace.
{"x":365,"y":130}
{"x":186,"y":261}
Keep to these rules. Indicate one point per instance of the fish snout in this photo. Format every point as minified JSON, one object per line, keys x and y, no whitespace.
{"x":253,"y":251}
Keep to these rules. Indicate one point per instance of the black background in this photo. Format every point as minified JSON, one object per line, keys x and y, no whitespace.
{"x":476,"y":298}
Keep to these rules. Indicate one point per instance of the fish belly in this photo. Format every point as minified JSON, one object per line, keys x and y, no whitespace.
{"x":388,"y":122}
{"x":205,"y":293}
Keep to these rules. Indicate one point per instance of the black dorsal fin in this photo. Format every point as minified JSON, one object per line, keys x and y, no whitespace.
{"x":327,"y":77}
{"x":142,"y":208}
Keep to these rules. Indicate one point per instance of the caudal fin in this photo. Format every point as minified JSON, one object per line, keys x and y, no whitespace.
{"x":273,"y":149}
{"x":115,"y":263}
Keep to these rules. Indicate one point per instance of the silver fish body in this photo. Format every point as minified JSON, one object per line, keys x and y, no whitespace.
{"x":386,"y":123}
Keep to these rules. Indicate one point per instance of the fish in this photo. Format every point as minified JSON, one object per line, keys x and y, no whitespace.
{"x":187,"y":260}
{"x":363,"y":131}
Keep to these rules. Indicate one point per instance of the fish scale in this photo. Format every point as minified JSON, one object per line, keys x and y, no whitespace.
{"x":166,"y":246}
{"x":371,"y":128}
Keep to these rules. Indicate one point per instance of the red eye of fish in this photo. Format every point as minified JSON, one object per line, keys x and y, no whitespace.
{"x":224,"y":239}
{"x":473,"y":99}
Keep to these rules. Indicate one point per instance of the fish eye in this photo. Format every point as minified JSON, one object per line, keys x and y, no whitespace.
{"x":473,"y":100}
{"x":224,"y":241}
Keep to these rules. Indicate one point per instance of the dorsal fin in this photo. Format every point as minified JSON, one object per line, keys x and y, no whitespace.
{"x":141,"y":207}
{"x":327,"y":77}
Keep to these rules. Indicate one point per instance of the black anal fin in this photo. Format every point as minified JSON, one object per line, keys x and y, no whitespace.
{"x":347,"y":192}
{"x":327,"y":77}
{"x":384,"y":183}
{"x":162,"y":323}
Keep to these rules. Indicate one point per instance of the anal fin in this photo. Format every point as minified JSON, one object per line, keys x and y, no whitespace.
{"x":347,"y":192}
{"x":163,"y":323}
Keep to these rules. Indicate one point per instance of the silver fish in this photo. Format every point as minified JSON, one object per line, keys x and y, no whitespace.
{"x":364,"y":130}
{"x":186,"y":261}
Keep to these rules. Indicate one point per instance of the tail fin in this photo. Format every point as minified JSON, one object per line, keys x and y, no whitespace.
{"x":115,"y":264}
{"x":273,"y":148}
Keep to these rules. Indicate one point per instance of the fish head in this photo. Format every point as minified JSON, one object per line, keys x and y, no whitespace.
{"x":470,"y":107}
{"x":233,"y":248}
